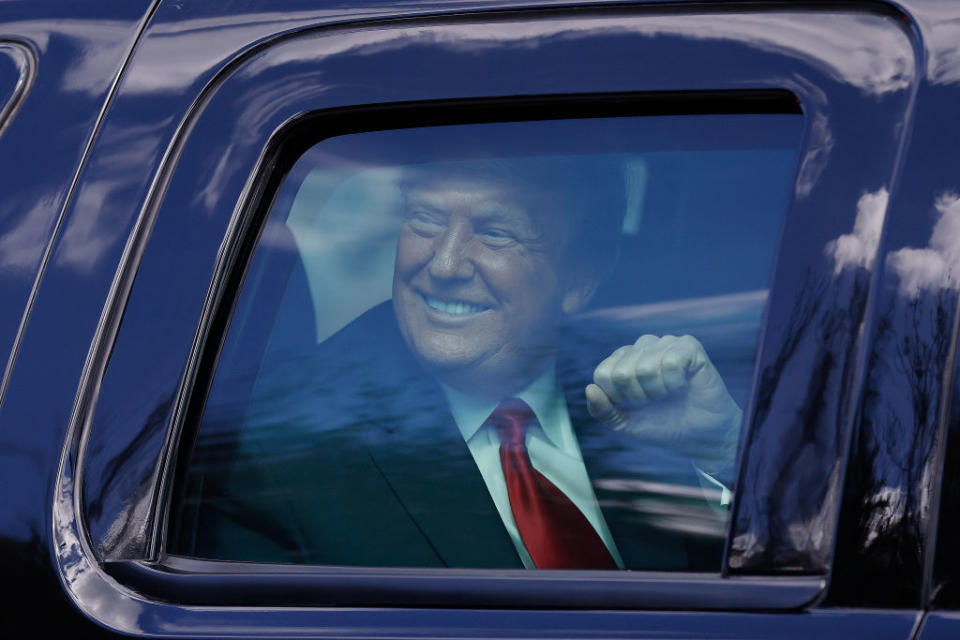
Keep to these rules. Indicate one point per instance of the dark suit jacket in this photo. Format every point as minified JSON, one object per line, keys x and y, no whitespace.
{"x":348,"y":455}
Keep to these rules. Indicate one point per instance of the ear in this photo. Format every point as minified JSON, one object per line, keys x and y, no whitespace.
{"x":578,"y":294}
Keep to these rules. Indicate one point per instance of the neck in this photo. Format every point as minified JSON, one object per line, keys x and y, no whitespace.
{"x":496,"y":385}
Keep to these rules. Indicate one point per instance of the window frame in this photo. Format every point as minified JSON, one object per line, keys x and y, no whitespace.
{"x":361,"y":585}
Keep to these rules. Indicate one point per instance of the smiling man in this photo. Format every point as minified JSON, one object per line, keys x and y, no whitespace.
{"x":479,"y":284}
{"x":491,"y":261}
{"x":456,"y":424}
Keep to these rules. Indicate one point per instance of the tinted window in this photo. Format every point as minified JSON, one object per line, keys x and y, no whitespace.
{"x":501,"y":345}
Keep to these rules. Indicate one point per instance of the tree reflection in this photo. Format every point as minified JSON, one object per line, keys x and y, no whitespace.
{"x":883,"y":533}
{"x":787,"y":503}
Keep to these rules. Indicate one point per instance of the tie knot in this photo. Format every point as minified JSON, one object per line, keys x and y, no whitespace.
{"x":511,"y":419}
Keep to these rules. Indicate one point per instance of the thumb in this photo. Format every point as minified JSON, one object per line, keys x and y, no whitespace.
{"x":601,"y":408}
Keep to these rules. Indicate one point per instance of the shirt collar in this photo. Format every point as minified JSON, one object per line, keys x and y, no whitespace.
{"x":542,"y":395}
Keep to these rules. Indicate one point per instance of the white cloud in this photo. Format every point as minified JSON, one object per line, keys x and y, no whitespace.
{"x":23,"y":245}
{"x":941,"y":33}
{"x":101,"y":46}
{"x":96,"y":223}
{"x":817,"y":155}
{"x":936,"y":266}
{"x":859,"y":249}
{"x":90,"y":234}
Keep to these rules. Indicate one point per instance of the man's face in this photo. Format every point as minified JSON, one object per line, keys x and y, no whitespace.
{"x":477,"y":288}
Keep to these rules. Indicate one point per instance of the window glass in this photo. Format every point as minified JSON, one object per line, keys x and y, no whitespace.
{"x":501,"y":345}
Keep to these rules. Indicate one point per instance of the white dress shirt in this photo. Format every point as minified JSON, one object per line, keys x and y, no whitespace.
{"x":553,"y":450}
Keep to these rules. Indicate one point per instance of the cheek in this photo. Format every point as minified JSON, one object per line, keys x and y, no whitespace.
{"x":500,"y":269}
{"x":413,"y":251}
{"x":529,"y":284}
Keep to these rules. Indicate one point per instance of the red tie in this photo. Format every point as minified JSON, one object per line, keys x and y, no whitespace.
{"x":557,"y":535}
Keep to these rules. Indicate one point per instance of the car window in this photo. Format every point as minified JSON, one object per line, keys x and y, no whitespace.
{"x":502,"y":345}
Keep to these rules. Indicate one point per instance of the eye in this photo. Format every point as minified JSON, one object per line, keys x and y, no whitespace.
{"x":496,"y":237}
{"x":425,"y":223}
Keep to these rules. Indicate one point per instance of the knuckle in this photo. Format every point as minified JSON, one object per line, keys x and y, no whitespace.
{"x":601,"y":376}
{"x":673,"y":367}
{"x":622,"y":375}
{"x":689,"y":341}
{"x":646,"y":339}
{"x":646,"y":370}
{"x":675,"y":355}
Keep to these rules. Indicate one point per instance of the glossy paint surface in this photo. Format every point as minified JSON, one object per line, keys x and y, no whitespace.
{"x":945,"y":578}
{"x":837,"y":309}
{"x":885,"y":548}
{"x":784,"y":518}
{"x":10,"y":76}
{"x":17,"y":73}
{"x":57,"y":64}
{"x":386,"y":63}
{"x":942,"y":564}
{"x":939,"y":626}
{"x":46,"y":125}
{"x":791,"y":470}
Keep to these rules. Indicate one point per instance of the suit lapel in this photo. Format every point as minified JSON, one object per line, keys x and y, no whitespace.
{"x":421,"y":454}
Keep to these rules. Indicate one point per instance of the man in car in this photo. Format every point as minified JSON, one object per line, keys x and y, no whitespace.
{"x":457,"y":425}
{"x":488,"y":265}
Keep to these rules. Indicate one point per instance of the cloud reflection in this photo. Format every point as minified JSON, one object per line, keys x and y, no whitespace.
{"x":103,"y":210}
{"x":346,"y":230}
{"x":94,"y":593}
{"x":90,"y":235}
{"x":818,"y":153}
{"x":938,"y":265}
{"x":101,"y":46}
{"x":942,"y":33}
{"x":859,"y":249}
{"x":879,"y":61}
{"x":22,"y":246}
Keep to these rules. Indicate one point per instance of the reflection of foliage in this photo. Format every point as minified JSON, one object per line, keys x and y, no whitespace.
{"x":115,"y":465}
{"x":787,"y":503}
{"x":882,"y":534}
{"x":136,"y":464}
{"x":922,"y":358}
{"x":805,"y":308}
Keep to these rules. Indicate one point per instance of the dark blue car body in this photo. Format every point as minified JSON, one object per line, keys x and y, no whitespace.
{"x":134,"y":135}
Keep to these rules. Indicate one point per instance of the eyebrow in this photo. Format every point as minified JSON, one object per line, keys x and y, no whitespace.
{"x":499,"y":212}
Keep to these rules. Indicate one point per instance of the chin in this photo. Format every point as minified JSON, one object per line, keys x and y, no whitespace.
{"x":444,"y":353}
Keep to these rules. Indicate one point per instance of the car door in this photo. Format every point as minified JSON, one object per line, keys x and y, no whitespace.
{"x":210,"y":116}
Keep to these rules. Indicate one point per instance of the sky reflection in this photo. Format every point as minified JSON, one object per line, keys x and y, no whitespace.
{"x":936,"y":266}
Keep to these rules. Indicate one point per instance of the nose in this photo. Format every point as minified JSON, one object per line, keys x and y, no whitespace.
{"x":451,"y":259}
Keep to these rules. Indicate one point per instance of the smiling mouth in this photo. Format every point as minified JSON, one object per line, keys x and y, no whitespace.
{"x":454,"y":307}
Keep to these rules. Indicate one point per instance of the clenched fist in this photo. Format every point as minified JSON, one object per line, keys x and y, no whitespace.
{"x":664,"y":388}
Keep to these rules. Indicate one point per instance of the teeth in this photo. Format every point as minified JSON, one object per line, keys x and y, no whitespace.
{"x":453,"y":307}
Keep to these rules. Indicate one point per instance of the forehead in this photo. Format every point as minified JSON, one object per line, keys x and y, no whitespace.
{"x":479,"y":193}
{"x":483,"y":195}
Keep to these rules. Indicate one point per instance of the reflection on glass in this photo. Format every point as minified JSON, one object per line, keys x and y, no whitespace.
{"x":884,"y":541}
{"x":501,"y":345}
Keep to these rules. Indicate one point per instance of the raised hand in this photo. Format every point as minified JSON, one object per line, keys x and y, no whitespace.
{"x":664,"y":388}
